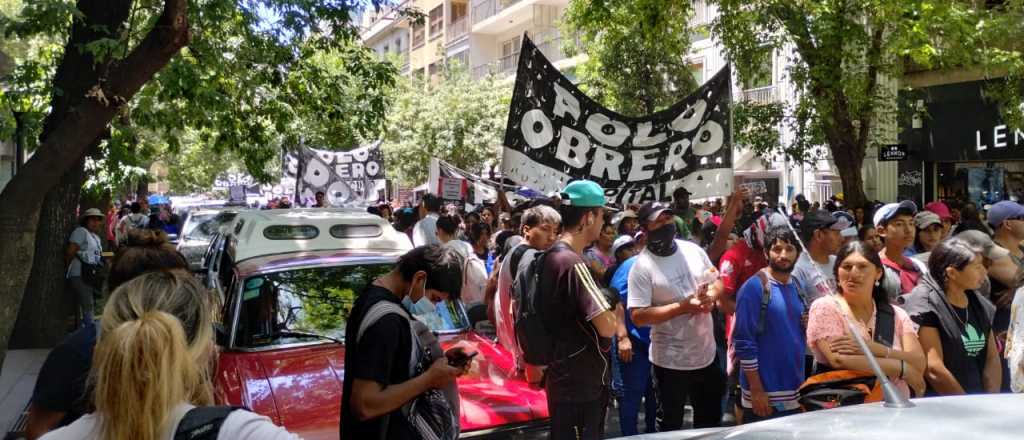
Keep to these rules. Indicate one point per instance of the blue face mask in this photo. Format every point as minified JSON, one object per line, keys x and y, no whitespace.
{"x":421,"y":307}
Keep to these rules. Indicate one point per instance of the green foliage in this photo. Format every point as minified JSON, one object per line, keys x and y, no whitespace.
{"x":845,"y":56}
{"x":257,"y":77}
{"x":456,"y":119}
{"x":635,"y":50}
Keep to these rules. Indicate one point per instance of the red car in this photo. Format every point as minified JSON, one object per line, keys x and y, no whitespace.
{"x":283,"y":343}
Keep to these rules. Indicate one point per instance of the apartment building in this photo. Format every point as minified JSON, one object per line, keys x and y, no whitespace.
{"x":485,"y":36}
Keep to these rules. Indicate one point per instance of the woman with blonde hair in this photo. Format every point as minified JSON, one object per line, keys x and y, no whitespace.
{"x":151,"y":368}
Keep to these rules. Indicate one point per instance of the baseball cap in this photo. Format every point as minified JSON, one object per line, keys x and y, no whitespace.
{"x":92,"y":212}
{"x":924,"y":219}
{"x":819,"y":219}
{"x":583,"y":194}
{"x":650,"y":211}
{"x":622,"y":216}
{"x":845,"y":221}
{"x":940,"y":209}
{"x":623,"y":240}
{"x":989,"y":248}
{"x":887,"y":212}
{"x":1002,"y":211}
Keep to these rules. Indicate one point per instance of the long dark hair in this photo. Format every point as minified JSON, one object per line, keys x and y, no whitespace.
{"x":952,"y":252}
{"x":861,"y":248}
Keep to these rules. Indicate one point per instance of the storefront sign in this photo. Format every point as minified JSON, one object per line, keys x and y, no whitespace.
{"x":963,"y":124}
{"x":892,"y":152}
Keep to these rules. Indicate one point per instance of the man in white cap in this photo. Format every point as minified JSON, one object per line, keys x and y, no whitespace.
{"x":82,"y":257}
{"x":1007,"y":275}
{"x":895,"y":224}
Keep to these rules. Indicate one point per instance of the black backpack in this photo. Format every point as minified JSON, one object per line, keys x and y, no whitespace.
{"x":203,"y":422}
{"x":532,"y":334}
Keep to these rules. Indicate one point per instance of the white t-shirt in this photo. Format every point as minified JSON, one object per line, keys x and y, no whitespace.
{"x":814,"y":279}
{"x":90,"y":249}
{"x":239,"y":424}
{"x":425,"y":231}
{"x":686,"y":342}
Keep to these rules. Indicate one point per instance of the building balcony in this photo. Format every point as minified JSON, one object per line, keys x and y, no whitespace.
{"x":549,"y":45}
{"x":387,"y":17}
{"x":484,"y":9}
{"x":458,"y":29}
{"x":761,"y":95}
{"x":702,"y":14}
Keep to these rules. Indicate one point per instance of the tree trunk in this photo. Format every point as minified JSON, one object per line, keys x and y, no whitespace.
{"x":848,"y":157}
{"x":48,"y":310}
{"x":68,"y":134}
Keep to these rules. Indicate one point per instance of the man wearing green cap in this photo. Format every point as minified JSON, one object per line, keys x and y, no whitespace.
{"x":581,"y":317}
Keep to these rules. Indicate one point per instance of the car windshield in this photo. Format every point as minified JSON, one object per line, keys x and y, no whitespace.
{"x":304,"y":305}
{"x":203,"y":226}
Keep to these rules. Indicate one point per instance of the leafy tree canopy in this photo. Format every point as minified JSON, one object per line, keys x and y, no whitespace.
{"x":257,"y":76}
{"x":454,"y":118}
{"x":636,"y":52}
{"x":846,"y":57}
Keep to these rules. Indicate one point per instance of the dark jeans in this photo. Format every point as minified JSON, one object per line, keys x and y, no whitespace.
{"x":704,"y":388}
{"x":637,"y":386}
{"x":750,"y":417}
{"x":578,"y":420}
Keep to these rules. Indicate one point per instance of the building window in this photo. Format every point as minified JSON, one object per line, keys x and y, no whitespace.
{"x":398,"y":45}
{"x":461,"y":58}
{"x":697,"y":70}
{"x":762,"y":74}
{"x":459,"y":11}
{"x":510,"y":54}
{"x":436,"y":22}
{"x":418,"y":34}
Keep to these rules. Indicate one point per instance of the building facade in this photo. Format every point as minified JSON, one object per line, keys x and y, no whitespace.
{"x":485,"y":36}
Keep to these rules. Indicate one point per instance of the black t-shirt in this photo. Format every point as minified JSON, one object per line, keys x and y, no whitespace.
{"x":580,"y":371}
{"x":381,"y":355}
{"x":973,"y":341}
{"x":60,"y":386}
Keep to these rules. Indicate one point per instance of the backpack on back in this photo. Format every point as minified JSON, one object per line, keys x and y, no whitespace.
{"x":532,"y":334}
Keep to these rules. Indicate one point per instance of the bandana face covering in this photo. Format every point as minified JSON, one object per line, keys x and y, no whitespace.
{"x":662,"y":241}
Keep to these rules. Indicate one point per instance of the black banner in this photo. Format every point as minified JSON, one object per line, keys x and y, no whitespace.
{"x":556,"y":134}
{"x":346,"y":177}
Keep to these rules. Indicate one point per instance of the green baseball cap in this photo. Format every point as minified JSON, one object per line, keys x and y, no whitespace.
{"x":583,"y":194}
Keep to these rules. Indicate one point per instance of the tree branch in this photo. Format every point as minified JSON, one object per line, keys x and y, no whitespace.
{"x":70,"y":138}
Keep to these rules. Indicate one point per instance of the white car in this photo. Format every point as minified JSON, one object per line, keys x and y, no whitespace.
{"x":980,"y":416}
{"x":200,"y":226}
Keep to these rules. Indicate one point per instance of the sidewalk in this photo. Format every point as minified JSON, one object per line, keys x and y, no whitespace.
{"x":21,"y":367}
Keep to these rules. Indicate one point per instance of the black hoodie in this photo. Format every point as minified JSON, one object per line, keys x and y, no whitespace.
{"x":927,"y":304}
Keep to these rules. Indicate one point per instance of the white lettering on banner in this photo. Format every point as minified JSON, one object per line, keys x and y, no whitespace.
{"x":607,"y":162}
{"x":643,"y":136}
{"x":999,"y":136}
{"x":317,"y":174}
{"x":642,"y":160}
{"x":709,"y":139}
{"x":361,"y":155}
{"x":536,"y":138}
{"x":675,"y":160}
{"x":977,"y":142}
{"x":573,"y":147}
{"x":598,"y":122}
{"x":372,"y":169}
{"x":690,"y":118}
{"x":566,"y":103}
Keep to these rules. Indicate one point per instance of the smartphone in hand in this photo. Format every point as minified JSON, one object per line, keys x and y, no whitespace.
{"x":457,"y":357}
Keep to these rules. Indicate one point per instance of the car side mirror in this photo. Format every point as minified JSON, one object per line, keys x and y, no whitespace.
{"x":221,"y":334}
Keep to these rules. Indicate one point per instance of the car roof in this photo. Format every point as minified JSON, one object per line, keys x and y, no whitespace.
{"x":249,"y":239}
{"x":983,"y":416}
{"x":312,"y":260}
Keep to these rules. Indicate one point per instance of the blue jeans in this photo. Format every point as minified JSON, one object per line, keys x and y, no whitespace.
{"x":616,"y":369}
{"x":637,"y":385}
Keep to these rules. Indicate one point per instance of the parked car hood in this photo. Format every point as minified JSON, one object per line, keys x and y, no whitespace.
{"x":300,"y":387}
{"x":986,"y":416}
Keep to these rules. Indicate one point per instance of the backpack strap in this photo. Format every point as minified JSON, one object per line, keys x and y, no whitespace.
{"x":377,"y":311}
{"x":885,"y":323}
{"x":766,"y":298}
{"x":203,"y":422}
{"x":517,"y":256}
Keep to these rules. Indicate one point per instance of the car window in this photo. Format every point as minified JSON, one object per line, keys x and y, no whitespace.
{"x":199,"y":227}
{"x":305,"y":305}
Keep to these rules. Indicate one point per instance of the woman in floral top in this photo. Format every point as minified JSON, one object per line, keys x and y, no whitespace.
{"x":858,"y":271}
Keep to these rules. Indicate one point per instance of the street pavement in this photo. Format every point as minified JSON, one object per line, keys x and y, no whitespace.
{"x":18,"y":377}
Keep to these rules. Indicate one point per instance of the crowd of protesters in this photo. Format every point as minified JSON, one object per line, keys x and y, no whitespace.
{"x":737,"y":304}
{"x":729,"y":307}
